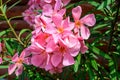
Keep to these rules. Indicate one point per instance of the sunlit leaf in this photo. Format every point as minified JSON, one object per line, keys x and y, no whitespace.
{"x":105,"y":4}
{"x":3,"y":66}
{"x":94,"y":64}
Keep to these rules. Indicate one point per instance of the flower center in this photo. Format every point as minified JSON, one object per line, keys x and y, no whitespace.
{"x":77,"y":23}
{"x":60,"y":30}
{"x":20,"y":61}
{"x":62,"y":49}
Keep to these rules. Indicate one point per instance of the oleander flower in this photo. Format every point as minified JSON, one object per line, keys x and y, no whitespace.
{"x":17,"y":63}
{"x":88,"y":20}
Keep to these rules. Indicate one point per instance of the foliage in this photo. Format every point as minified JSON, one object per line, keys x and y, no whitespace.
{"x":100,"y":62}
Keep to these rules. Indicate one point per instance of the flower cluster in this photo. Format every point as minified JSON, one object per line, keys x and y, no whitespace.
{"x":56,"y":40}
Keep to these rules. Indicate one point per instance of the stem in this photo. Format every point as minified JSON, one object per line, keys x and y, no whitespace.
{"x":18,"y":39}
{"x":12,"y":29}
{"x":112,"y":29}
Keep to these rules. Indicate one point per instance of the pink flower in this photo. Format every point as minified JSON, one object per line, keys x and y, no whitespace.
{"x":61,"y":27}
{"x":17,"y":65}
{"x":39,"y":56}
{"x":88,"y":20}
{"x":66,"y":51}
{"x":0,"y":60}
{"x":29,"y":14}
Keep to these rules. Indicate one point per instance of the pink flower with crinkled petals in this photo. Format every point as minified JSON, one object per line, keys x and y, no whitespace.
{"x":88,"y":20}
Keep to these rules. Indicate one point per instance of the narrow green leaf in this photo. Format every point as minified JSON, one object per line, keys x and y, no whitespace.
{"x":99,"y":52}
{"x":94,"y":64}
{"x":3,"y":66}
{"x":14,"y":4}
{"x":90,"y":72}
{"x":113,"y":71}
{"x":3,"y":76}
{"x":10,"y":50}
{"x":94,"y":3}
{"x":4,"y":32}
{"x":100,"y":26}
{"x":23,"y":31}
{"x":105,"y":4}
{"x":77,"y":63}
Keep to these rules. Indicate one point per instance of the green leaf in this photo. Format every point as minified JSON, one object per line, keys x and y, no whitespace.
{"x":4,"y":9}
{"x":77,"y":63}
{"x":104,"y":4}
{"x":3,"y":66}
{"x":99,"y":52}
{"x":14,"y":4}
{"x":94,"y":64}
{"x":10,"y":50}
{"x":94,"y":3}
{"x":4,"y":32}
{"x":3,"y":76}
{"x":90,"y":72}
{"x":113,"y":71}
{"x":23,"y":31}
{"x":98,"y":26}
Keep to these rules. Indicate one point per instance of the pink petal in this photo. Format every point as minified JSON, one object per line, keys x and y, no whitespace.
{"x":74,"y":51}
{"x":48,"y":66}
{"x":47,"y":10}
{"x":15,"y":57}
{"x":56,"y":59}
{"x":50,"y":29}
{"x":76,"y":12}
{"x":62,"y":12}
{"x":67,"y":25}
{"x":89,"y":20}
{"x":0,"y":47}
{"x":34,"y":49}
{"x":19,"y":70}
{"x":57,"y":19}
{"x":37,"y":60}
{"x":68,"y":60}
{"x":85,"y":33}
{"x":83,"y":48}
{"x":27,"y":60}
{"x":11,"y":68}
{"x":58,"y":5}
{"x":22,"y":55}
{"x":48,"y":1}
{"x":50,"y":47}
{"x":0,"y":60}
